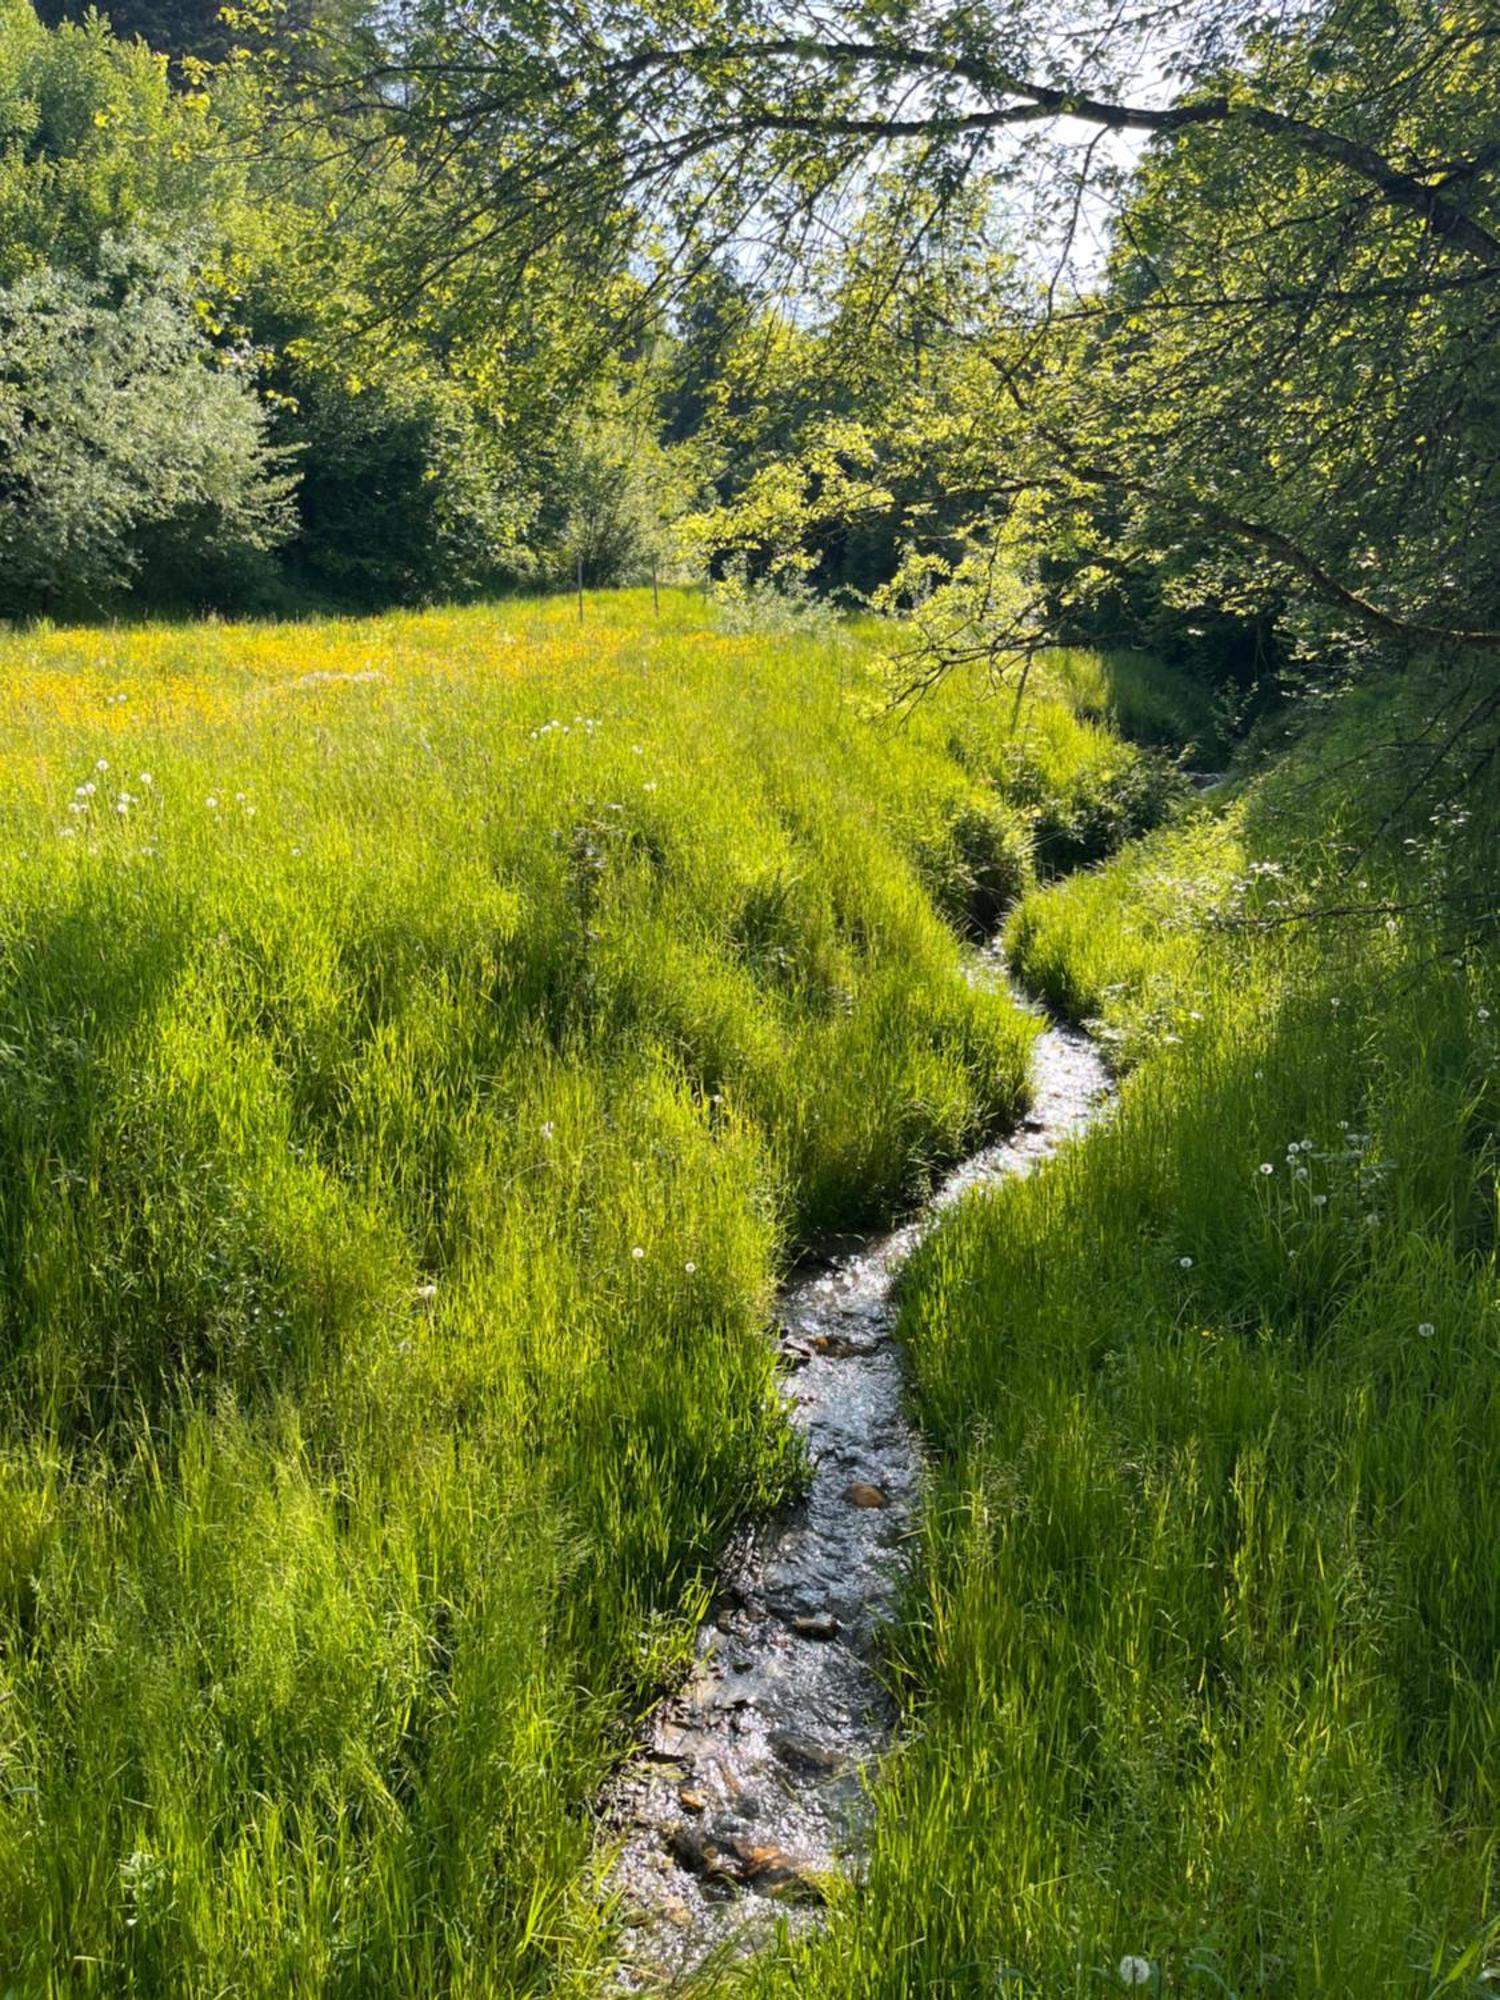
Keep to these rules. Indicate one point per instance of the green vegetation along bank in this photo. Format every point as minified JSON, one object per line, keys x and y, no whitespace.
{"x":1202,"y":1670}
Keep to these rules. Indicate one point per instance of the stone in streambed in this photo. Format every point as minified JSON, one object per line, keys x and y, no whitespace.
{"x":817,"y":1625}
{"x":839,"y":1347}
{"x":860,"y":1493}
{"x":802,"y":1754}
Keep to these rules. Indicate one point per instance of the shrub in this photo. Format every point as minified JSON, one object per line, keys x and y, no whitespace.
{"x":132,"y":450}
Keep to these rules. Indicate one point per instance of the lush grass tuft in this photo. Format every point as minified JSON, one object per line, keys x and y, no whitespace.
{"x":1141,"y":699}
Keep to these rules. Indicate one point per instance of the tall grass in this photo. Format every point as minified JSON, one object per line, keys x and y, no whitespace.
{"x":1141,"y":699}
{"x":421,"y":1043}
{"x":1203,"y":1664}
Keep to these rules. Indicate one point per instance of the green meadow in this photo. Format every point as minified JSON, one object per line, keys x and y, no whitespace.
{"x":424,"y":1041}
{"x":603,"y":608}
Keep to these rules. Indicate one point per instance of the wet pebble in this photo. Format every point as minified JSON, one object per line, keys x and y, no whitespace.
{"x":801,"y":1754}
{"x":816,"y":1625}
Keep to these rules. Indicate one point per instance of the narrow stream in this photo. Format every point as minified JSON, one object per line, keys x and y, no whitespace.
{"x":749,"y":1791}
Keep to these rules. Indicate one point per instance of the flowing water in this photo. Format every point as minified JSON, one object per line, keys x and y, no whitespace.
{"x":749,"y":1791}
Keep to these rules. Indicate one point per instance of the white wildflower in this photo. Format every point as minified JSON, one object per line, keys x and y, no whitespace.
{"x":1135,"y":1971}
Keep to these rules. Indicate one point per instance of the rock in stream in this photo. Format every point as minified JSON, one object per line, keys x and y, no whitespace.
{"x":748,"y":1793}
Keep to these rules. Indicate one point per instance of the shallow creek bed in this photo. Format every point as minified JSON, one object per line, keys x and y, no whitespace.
{"x":749,"y":1790}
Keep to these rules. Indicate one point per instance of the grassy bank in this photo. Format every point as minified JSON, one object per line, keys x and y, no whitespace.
{"x":1203,"y":1666}
{"x":422,"y":1042}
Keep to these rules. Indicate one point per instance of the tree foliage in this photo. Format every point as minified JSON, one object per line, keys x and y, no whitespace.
{"x":130,"y":449}
{"x":1278,"y":392}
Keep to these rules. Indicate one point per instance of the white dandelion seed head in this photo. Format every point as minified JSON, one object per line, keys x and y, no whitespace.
{"x":1320,"y":1201}
{"x":690,"y":1267}
{"x":638,"y":1253}
{"x":102,"y":765}
{"x":1426,"y":1330}
{"x":1266,"y":1167}
{"x":1135,"y":1971}
{"x":212,"y":803}
{"x":1184,"y":1263}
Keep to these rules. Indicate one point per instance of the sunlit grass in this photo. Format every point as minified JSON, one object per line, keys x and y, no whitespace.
{"x":1203,"y":1664}
{"x":422,"y":1042}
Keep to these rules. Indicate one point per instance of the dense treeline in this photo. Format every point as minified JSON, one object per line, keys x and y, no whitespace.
{"x":454,"y":306}
{"x":201,"y":401}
